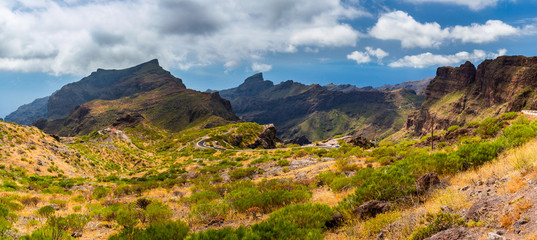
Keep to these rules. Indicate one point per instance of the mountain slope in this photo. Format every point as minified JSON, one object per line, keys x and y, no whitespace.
{"x":28,"y":113}
{"x":145,"y":93}
{"x":110,"y":85}
{"x":466,"y":93}
{"x":318,"y":113}
{"x":35,"y":152}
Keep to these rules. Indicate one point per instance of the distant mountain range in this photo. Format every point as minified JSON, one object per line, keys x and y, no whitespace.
{"x":144,"y":93}
{"x":318,"y":112}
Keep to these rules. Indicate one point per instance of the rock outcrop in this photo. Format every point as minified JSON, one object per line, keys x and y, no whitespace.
{"x":371,"y":209}
{"x":458,"y":95}
{"x":267,"y":138}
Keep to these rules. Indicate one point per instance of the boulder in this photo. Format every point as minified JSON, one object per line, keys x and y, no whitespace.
{"x":267,"y":138}
{"x":371,"y":209}
{"x":453,"y":233}
{"x":359,"y":141}
{"x":336,"y":221}
{"x":480,"y":209}
{"x":426,"y":182}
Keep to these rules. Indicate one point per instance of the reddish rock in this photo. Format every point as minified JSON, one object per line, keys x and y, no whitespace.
{"x":453,"y":233}
{"x":509,"y":80}
{"x":425,"y":182}
{"x":372,"y":208}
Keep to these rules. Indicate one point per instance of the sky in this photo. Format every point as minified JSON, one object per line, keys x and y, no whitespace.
{"x":216,"y":44}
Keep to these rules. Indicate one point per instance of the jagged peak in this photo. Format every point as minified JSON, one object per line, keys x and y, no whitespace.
{"x":258,"y":77}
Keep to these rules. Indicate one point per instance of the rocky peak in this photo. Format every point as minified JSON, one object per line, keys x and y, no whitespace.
{"x":110,"y":85}
{"x":504,"y":84}
{"x":450,"y":79}
{"x":252,"y":86}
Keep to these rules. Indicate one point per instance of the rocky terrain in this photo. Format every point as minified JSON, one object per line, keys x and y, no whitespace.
{"x":459,"y":95}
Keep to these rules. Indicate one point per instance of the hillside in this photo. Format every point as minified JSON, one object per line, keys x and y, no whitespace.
{"x":319,"y":113}
{"x":30,"y":151}
{"x":460,"y":95}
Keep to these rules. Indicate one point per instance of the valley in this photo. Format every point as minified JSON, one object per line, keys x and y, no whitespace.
{"x":135,"y":154}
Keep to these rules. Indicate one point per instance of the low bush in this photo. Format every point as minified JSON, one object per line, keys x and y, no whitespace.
{"x":435,"y":223}
{"x":242,"y":172}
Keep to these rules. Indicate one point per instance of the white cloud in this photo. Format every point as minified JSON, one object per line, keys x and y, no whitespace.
{"x":472,"y":4}
{"x":490,"y":31}
{"x":76,"y":37}
{"x":260,"y":67}
{"x":365,"y":57}
{"x":337,"y":36}
{"x":400,"y":26}
{"x":428,"y":59}
{"x":379,"y":53}
{"x":359,"y":57}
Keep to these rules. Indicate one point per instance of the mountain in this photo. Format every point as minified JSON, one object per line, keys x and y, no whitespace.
{"x":318,"y":113}
{"x":110,"y":85}
{"x":418,"y":86}
{"x":29,"y":113}
{"x":458,"y":95}
{"x":145,"y":94}
{"x":346,"y":88}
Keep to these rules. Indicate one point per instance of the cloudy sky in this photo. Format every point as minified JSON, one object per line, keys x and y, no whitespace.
{"x":216,"y":44}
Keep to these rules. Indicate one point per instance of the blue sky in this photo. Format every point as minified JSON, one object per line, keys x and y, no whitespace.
{"x":217,"y":44}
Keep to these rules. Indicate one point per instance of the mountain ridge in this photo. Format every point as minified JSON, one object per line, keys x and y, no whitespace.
{"x":458,"y":95}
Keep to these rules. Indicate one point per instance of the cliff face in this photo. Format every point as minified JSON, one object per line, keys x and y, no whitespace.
{"x":462,"y":94}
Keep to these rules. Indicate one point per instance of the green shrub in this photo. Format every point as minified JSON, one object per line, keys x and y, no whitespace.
{"x":300,"y":221}
{"x":127,"y":217}
{"x":283,"y":162}
{"x":241,"y":233}
{"x":340,"y":183}
{"x":46,"y":211}
{"x":157,"y":212}
{"x":436,"y":223}
{"x":204,"y":212}
{"x":453,"y":128}
{"x":169,"y":230}
{"x":202,"y":197}
{"x":242,"y":172}
{"x":100,"y":192}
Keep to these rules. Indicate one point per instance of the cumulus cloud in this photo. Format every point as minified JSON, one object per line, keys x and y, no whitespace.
{"x":400,"y":26}
{"x":428,"y":59}
{"x":365,"y":57}
{"x":490,"y":31}
{"x":260,"y":67}
{"x":76,"y":37}
{"x":359,"y":57}
{"x":472,"y":4}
